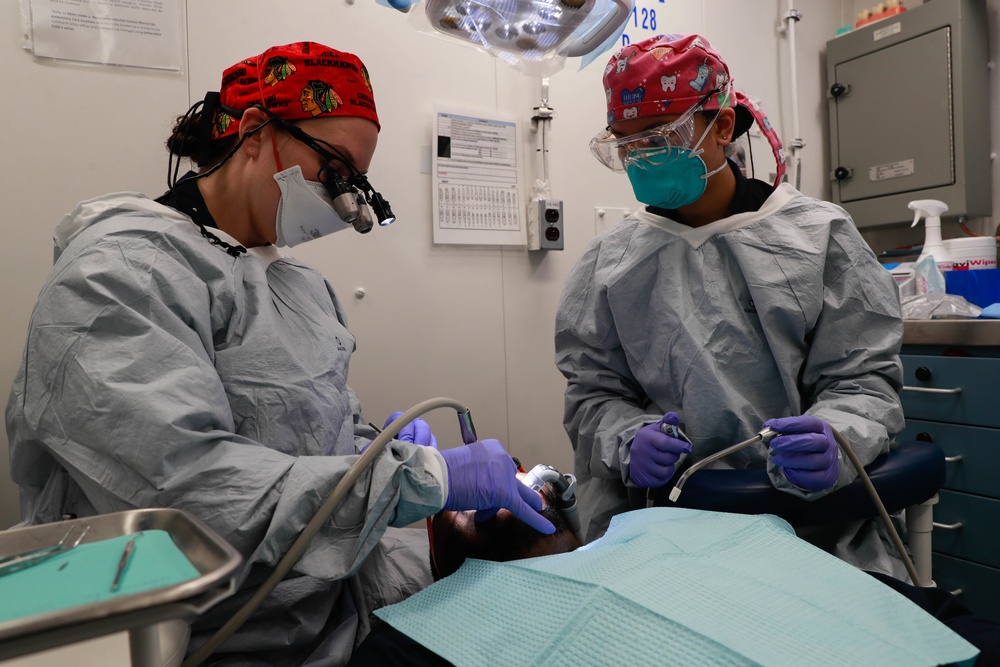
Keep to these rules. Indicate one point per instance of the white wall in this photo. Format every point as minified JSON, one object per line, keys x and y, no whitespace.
{"x":70,"y":132}
{"x":472,"y":323}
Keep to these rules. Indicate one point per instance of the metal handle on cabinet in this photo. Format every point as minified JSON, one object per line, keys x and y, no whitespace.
{"x":933,"y":390}
{"x":948,"y":526}
{"x":953,"y":459}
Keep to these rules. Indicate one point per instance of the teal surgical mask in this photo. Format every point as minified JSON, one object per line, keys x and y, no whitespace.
{"x":672,"y":178}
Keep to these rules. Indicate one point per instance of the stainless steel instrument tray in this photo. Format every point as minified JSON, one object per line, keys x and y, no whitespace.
{"x":215,"y":560}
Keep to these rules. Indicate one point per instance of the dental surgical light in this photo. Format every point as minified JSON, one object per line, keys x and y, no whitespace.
{"x":534,"y":36}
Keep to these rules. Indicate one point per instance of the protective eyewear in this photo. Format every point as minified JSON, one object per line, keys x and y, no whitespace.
{"x":651,"y":147}
{"x":351,"y":196}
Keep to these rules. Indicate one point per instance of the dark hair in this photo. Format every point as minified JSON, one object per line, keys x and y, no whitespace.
{"x":710,"y":115}
{"x":191,"y":138}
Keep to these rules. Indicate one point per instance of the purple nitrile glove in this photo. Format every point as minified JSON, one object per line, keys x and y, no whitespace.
{"x":654,"y":453}
{"x":417,"y":431}
{"x":806,"y":451}
{"x":481,"y":476}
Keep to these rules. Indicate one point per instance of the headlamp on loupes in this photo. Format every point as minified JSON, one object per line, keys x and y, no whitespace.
{"x":351,"y":197}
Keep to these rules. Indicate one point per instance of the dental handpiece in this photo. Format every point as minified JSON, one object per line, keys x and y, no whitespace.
{"x":764,"y":435}
{"x":466,"y":427}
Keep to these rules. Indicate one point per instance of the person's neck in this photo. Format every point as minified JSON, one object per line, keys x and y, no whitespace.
{"x":227,"y":210}
{"x":714,"y":204}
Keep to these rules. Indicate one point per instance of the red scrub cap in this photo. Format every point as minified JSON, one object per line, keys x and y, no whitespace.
{"x":295,"y":82}
{"x":668,"y":74}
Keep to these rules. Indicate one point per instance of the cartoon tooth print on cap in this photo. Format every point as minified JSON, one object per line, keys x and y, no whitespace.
{"x":319,"y":97}
{"x":278,"y":69}
{"x":623,"y":63}
{"x":668,"y":74}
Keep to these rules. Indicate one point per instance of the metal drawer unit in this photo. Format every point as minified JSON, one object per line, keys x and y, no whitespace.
{"x":950,"y":397}
{"x":959,"y":390}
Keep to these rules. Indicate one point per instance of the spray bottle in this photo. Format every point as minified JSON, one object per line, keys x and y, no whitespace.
{"x":931,"y":210}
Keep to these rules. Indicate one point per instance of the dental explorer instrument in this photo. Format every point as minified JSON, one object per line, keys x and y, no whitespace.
{"x":18,"y":562}
{"x":124,"y":561}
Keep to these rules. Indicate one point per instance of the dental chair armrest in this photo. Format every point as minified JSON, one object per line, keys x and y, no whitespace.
{"x":907,"y":475}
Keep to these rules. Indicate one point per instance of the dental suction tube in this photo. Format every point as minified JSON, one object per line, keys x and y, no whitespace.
{"x":329,"y":506}
{"x":565,"y":488}
{"x":765,"y":435}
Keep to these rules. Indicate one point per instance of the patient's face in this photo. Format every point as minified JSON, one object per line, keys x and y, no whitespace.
{"x":457,"y":536}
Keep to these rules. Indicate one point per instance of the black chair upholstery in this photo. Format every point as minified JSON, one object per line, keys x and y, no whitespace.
{"x":909,"y":474}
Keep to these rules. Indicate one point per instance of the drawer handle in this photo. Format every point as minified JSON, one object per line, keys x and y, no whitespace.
{"x":953,"y":459}
{"x":933,"y":390}
{"x":948,"y":526}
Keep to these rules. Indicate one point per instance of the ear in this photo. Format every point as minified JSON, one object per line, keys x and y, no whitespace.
{"x":252,"y":119}
{"x":725,"y":126}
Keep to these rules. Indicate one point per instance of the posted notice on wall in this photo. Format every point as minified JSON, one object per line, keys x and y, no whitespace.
{"x":138,"y":33}
{"x":477,"y":180}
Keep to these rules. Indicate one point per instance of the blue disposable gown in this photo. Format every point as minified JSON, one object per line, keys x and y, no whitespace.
{"x":771,"y":313}
{"x":160,"y":371}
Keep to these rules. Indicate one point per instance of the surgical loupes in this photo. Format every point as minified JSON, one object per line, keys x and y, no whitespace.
{"x":764,"y":435}
{"x":565,"y":488}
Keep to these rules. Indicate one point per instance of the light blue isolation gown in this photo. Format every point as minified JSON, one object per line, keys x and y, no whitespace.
{"x":160,"y":371}
{"x":771,"y":313}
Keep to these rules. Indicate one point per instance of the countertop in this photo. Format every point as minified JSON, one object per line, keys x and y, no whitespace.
{"x":951,"y":332}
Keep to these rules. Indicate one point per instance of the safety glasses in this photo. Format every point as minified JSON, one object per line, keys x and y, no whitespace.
{"x":651,"y":147}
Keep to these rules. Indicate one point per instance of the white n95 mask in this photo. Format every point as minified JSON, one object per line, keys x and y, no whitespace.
{"x":305,"y":210}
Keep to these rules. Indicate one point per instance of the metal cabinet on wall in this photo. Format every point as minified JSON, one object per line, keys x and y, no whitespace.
{"x":950,"y":398}
{"x":909,"y":113}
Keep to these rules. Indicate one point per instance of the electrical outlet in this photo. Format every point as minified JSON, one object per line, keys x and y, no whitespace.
{"x":545,"y":224}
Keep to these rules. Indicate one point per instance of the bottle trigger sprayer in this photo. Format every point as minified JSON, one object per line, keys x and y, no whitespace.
{"x":931,"y":210}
